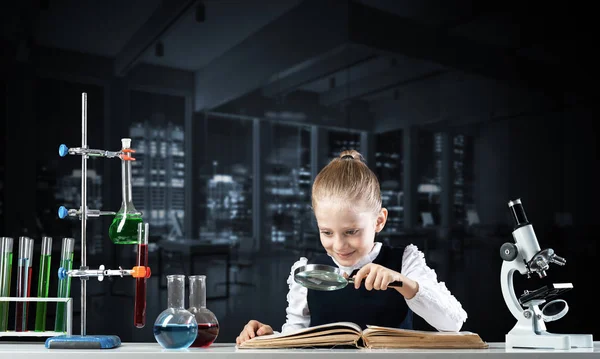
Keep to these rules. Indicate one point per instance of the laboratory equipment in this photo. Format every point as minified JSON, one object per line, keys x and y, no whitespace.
{"x":24,"y":275}
{"x":24,"y":271}
{"x":525,"y":257}
{"x":6,"y":255}
{"x":43,"y":284}
{"x":175,"y":327}
{"x":124,"y":227}
{"x":84,"y":273}
{"x":139,"y":316}
{"x":64,"y":285}
{"x":326,"y":278}
{"x":208,"y":325}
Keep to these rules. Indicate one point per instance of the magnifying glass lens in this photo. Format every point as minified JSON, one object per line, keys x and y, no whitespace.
{"x":321,"y":280}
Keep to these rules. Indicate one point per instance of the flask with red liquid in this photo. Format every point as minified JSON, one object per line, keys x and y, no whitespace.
{"x":208,"y":325}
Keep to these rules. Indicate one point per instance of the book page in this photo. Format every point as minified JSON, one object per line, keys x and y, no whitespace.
{"x":384,"y":337}
{"x":410,"y":332}
{"x":330,"y":341}
{"x":316,"y":329}
{"x":341,"y":333}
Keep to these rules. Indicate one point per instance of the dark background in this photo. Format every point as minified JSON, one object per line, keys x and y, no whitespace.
{"x":459,"y":107}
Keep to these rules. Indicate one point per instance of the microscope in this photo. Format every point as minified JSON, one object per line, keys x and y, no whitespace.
{"x":526,"y":257}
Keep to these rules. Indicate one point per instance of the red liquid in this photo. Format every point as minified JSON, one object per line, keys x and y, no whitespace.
{"x":22,"y":307}
{"x":207,"y":333}
{"x":139,"y":312}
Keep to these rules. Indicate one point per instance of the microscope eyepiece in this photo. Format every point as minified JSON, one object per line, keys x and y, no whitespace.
{"x":518,"y":213}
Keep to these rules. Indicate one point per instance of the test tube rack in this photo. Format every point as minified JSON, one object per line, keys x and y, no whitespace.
{"x":48,"y":333}
{"x":83,"y":213}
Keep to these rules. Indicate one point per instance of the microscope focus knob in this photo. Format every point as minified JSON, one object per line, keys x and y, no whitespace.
{"x":508,"y":251}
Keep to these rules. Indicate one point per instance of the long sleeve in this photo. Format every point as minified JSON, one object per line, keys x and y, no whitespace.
{"x":297,"y":313}
{"x":433,"y":301}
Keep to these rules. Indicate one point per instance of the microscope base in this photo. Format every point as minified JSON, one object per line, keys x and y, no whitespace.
{"x":549,"y":340}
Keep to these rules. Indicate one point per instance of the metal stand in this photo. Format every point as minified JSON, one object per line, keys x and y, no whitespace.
{"x":84,"y":272}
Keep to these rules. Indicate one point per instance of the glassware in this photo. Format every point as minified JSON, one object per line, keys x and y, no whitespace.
{"x":175,"y":327}
{"x":43,"y":284}
{"x":124,"y":227}
{"x":6,"y":256}
{"x":139,"y":316}
{"x":64,"y":285}
{"x":24,"y":271}
{"x":208,"y":325}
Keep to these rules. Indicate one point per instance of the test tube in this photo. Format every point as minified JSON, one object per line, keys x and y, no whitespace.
{"x":23,"y":280}
{"x":139,"y":316}
{"x":64,"y":285}
{"x":6,"y":254}
{"x":43,"y":284}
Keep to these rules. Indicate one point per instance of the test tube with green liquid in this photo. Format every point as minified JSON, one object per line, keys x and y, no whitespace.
{"x":43,"y":284}
{"x":64,"y":285}
{"x":6,"y":255}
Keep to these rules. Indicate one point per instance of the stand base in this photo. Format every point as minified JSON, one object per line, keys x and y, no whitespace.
{"x":83,"y":342}
{"x":547,"y":340}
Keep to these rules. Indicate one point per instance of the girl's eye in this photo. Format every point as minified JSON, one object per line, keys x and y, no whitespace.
{"x":326,"y":233}
{"x":352,"y":232}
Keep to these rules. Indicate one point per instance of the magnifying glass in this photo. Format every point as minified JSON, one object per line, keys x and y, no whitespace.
{"x":326,"y":278}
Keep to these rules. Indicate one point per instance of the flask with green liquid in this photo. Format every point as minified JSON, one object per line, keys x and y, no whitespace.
{"x":124,"y":227}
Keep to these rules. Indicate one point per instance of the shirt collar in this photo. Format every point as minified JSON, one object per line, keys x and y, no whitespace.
{"x":366,"y":259}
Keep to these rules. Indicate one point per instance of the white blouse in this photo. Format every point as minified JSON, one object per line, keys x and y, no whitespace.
{"x":433,"y":301}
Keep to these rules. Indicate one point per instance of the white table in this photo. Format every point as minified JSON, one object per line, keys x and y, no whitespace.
{"x":13,"y":350}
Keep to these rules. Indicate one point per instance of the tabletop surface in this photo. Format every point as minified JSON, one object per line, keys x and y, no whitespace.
{"x":152,"y":350}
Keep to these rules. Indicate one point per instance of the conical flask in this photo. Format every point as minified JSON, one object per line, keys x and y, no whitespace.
{"x":175,"y":327}
{"x":208,"y":325}
{"x":124,"y":227}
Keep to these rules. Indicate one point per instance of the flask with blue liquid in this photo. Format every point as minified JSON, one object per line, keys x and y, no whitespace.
{"x":175,"y":327}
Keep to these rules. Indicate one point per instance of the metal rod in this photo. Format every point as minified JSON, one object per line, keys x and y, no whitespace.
{"x":83,"y":208}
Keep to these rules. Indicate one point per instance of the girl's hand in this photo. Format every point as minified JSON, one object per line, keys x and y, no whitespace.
{"x":376,"y":277}
{"x":253,"y":329}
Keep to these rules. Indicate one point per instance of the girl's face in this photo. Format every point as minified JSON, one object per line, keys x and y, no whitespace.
{"x":347,"y":232}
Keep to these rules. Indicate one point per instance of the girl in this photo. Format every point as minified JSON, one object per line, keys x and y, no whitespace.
{"x":346,"y":200}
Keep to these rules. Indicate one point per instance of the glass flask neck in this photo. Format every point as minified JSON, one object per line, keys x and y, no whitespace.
{"x":127,"y":205}
{"x":198,"y":291}
{"x":175,"y":290}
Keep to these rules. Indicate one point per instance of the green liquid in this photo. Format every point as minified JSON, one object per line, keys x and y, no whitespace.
{"x":43,"y":289}
{"x":64,"y":291}
{"x":124,"y":229}
{"x":5,"y":273}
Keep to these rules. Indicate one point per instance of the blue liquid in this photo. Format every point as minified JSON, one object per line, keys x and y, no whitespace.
{"x":176,"y":336}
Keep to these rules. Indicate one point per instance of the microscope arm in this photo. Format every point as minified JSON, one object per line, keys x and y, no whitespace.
{"x":508,"y":290}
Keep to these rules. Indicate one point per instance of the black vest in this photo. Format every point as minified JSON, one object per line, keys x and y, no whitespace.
{"x":385,"y":308}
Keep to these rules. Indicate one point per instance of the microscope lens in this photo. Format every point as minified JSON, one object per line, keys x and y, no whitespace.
{"x":516,"y":208}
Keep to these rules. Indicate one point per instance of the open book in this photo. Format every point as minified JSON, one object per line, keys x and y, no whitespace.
{"x":345,"y":334}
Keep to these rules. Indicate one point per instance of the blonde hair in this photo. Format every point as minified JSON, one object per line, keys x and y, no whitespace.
{"x":349,"y":179}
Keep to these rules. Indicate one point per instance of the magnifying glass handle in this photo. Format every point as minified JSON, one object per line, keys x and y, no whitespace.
{"x":395,"y":284}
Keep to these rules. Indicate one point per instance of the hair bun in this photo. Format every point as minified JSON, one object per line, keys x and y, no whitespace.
{"x":351,"y":155}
